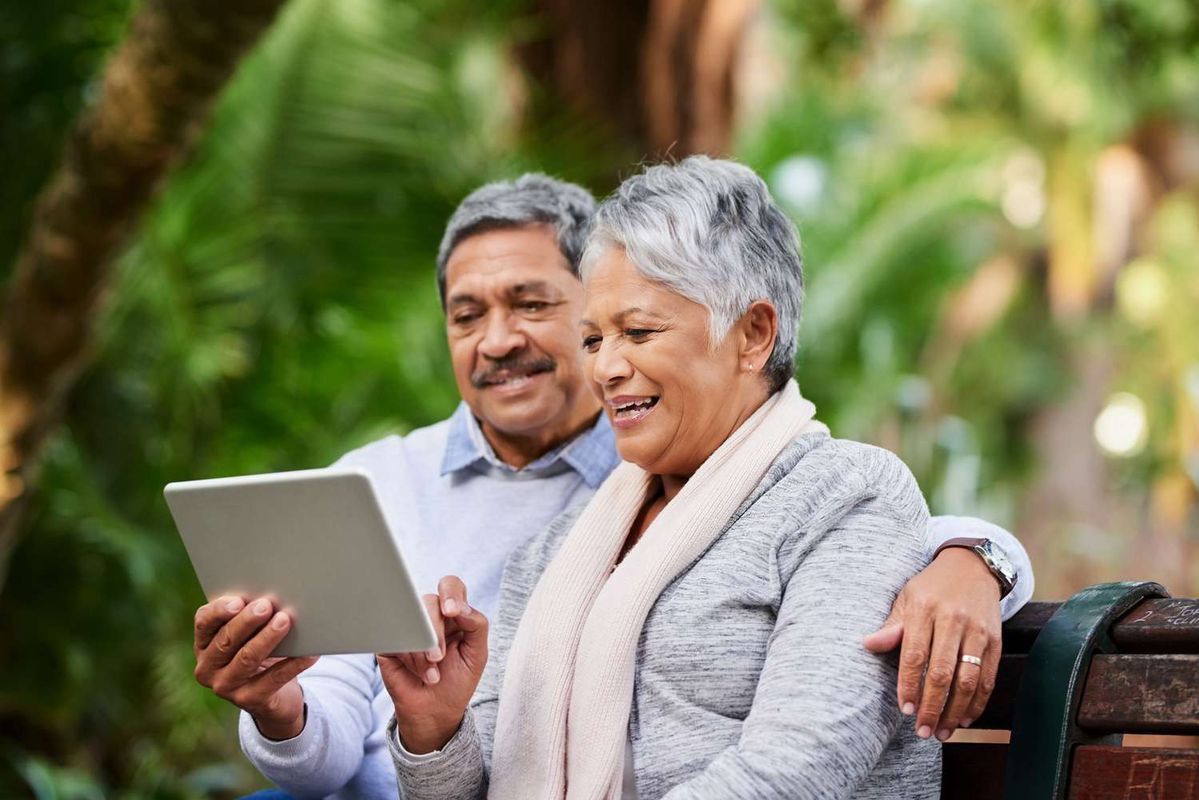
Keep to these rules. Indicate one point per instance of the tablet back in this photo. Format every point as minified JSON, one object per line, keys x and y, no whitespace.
{"x":317,"y":543}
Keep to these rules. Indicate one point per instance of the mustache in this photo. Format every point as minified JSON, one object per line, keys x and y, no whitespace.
{"x":519,"y":364}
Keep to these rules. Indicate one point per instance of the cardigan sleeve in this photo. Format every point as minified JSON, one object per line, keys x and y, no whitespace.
{"x":461,"y":768}
{"x":825,"y":710}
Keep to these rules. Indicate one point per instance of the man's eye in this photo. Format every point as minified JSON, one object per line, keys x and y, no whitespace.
{"x":592,"y":343}
{"x":465,"y":318}
{"x":533,"y":305}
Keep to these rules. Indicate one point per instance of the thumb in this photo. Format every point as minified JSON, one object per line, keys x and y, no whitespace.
{"x":886,"y":638}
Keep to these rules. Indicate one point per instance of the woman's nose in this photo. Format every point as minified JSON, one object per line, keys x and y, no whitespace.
{"x":609,"y":366}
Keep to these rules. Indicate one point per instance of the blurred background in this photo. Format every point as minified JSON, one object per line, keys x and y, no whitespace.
{"x":998,"y":200}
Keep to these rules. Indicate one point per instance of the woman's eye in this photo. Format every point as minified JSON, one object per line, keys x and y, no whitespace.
{"x":638,"y":334}
{"x":592,"y":343}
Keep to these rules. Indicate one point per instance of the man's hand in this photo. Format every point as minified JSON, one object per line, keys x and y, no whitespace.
{"x":949,"y":610}
{"x":233,"y":645}
{"x":432,"y":690}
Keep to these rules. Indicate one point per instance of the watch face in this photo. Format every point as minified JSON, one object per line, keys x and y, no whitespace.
{"x":999,"y":561}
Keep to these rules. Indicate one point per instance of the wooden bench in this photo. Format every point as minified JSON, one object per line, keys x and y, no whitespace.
{"x":1117,"y":658}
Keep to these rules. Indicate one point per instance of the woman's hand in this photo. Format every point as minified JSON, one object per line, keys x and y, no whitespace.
{"x":949,"y":610}
{"x":432,"y":690}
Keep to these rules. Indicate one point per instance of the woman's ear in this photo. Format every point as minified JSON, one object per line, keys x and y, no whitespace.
{"x":759,"y":328}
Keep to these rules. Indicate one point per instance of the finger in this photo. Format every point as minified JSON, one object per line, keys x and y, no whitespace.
{"x":965,"y":685}
{"x":452,"y":592}
{"x":236,"y":632}
{"x":211,"y":617}
{"x":250,"y":658}
{"x":886,"y":638}
{"x":986,"y":680}
{"x":266,"y":685}
{"x":913,"y":657}
{"x":418,"y":667}
{"x":938,"y":678}
{"x":470,"y":631}
{"x":433,"y":609}
{"x":397,"y":676}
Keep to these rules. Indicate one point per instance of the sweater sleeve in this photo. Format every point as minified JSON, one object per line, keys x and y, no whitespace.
{"x":461,"y":768}
{"x":338,"y":692}
{"x":824,"y":710}
{"x":942,"y":529}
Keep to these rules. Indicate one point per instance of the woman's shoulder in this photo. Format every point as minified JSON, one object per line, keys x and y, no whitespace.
{"x":535,"y":554}
{"x":824,"y":464}
{"x":821,"y":477}
{"x":523,"y":569}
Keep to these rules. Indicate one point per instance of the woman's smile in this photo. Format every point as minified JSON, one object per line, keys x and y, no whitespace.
{"x":627,"y":410}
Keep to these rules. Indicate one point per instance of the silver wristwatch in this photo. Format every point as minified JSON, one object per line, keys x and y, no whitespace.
{"x":993,"y":556}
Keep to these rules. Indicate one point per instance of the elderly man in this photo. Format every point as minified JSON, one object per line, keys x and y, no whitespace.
{"x":526,"y":443}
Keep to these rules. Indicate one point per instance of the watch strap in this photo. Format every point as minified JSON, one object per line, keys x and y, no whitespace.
{"x":970,"y":542}
{"x":976,"y":544}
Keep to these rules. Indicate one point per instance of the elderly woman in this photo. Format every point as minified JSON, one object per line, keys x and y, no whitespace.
{"x":695,"y":631}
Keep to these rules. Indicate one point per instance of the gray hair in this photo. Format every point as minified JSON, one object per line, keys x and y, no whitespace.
{"x":709,"y":230}
{"x":531,"y":199}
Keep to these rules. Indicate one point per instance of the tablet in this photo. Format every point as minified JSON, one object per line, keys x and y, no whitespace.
{"x":317,"y":543}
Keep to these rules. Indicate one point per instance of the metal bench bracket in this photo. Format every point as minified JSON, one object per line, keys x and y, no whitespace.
{"x":1044,"y":732}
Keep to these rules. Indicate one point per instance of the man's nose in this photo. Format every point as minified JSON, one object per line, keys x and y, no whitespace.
{"x":500,"y":337}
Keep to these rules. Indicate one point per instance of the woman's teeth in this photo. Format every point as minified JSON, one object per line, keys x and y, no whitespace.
{"x":633,"y":409}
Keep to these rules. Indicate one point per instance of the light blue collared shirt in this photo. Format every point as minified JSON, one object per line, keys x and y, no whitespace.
{"x":457,"y":509}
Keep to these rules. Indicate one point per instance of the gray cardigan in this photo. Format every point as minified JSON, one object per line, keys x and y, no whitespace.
{"x":751,"y":676}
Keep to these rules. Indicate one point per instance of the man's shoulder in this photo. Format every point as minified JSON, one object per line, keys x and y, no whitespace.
{"x":427,"y":441}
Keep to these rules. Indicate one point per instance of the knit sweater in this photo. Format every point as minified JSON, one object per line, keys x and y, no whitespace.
{"x":751,"y":679}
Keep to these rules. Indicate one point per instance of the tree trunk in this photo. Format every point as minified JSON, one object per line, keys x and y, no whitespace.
{"x":658,"y":76}
{"x":157,"y":90}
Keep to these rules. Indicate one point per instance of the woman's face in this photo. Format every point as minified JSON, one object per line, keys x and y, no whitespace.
{"x":672,"y":398}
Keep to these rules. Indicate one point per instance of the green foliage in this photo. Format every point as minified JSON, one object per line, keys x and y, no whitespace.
{"x":277,"y":308}
{"x":894,"y":150}
{"x":50,"y":52}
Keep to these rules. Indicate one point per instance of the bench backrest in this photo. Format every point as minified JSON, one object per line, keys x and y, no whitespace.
{"x":1146,"y":683}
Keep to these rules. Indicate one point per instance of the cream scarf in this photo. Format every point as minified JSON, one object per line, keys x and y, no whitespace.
{"x":564,"y":707}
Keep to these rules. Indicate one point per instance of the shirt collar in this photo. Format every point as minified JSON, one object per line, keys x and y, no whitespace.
{"x":592,"y":453}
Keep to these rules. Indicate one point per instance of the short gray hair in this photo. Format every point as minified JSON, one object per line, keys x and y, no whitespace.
{"x":709,"y":230}
{"x":531,"y":199}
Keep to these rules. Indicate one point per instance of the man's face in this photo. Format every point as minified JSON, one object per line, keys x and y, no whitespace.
{"x":512,"y":315}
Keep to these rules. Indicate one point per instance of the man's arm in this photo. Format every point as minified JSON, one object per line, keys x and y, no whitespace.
{"x":328,"y":751}
{"x":306,"y":737}
{"x":952,"y":609}
{"x":942,"y":529}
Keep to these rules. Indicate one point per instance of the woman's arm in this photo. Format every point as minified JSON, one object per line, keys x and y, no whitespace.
{"x":824,"y":710}
{"x":461,"y":767}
